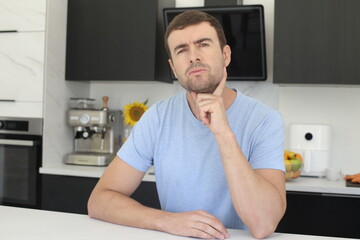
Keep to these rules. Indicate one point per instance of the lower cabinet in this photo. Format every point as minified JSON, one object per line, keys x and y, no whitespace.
{"x":321,"y":214}
{"x":70,"y":194}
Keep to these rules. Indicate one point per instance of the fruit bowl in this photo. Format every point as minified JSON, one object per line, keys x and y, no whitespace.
{"x":293,"y":169}
{"x":293,"y":164}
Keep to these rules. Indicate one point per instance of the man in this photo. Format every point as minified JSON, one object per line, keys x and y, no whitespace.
{"x":218,"y":155}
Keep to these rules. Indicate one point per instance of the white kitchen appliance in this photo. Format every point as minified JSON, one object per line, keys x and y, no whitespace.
{"x":312,"y":141}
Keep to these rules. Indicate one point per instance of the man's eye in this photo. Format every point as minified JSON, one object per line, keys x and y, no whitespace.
{"x":204,"y":44}
{"x":181,"y":51}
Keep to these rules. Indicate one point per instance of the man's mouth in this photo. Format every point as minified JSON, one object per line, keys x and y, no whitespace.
{"x":196,"y":71}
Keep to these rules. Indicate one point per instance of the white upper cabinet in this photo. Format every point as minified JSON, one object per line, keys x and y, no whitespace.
{"x":22,"y":15}
{"x":22,"y":66}
{"x":22,"y":53}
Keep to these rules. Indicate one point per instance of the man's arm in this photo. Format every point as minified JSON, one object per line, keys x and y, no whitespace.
{"x":258,"y":196}
{"x":110,"y":202}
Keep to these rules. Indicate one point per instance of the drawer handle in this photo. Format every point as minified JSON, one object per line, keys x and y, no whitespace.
{"x":16,"y":142}
{"x":8,"y":31}
{"x":7,"y":100}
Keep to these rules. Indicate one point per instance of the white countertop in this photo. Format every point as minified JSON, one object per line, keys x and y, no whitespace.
{"x":302,"y":184}
{"x":321,"y":185}
{"x":30,"y":224}
{"x":85,"y":171}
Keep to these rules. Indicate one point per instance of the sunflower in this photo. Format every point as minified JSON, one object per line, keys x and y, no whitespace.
{"x":133,"y":112}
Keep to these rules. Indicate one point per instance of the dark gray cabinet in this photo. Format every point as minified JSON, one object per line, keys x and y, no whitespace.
{"x":65,"y":193}
{"x":70,"y":194}
{"x":321,"y":214}
{"x":113,"y":40}
{"x":317,"y":42}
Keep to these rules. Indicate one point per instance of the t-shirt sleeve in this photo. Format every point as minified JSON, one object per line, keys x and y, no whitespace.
{"x":138,"y":149}
{"x":268,"y":146}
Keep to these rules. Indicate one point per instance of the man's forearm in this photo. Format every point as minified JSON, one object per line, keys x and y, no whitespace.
{"x":117,"y":208}
{"x":114,"y":207}
{"x":257,"y":201}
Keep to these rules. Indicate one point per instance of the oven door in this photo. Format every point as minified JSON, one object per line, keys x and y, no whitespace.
{"x":20,"y":159}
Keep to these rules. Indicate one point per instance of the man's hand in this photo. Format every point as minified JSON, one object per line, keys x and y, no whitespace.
{"x":199,"y":224}
{"x":211,"y":109}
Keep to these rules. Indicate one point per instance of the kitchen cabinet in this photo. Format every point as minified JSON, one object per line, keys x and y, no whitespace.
{"x":323,"y":214}
{"x":112,"y":40}
{"x":70,"y":194}
{"x":22,"y":15}
{"x":316,"y":42}
{"x":22,"y":52}
{"x":22,"y":66}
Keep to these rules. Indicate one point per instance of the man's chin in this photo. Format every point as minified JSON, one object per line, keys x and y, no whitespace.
{"x":209,"y":90}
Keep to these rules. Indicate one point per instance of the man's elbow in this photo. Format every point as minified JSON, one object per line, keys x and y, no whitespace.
{"x":91,"y":207}
{"x":263,"y":229}
{"x":263,"y":232}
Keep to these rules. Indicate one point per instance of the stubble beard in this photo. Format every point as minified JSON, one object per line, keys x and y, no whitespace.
{"x":201,"y":83}
{"x":206,"y":87}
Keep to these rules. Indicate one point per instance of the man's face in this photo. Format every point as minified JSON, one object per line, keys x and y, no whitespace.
{"x":197,"y":58}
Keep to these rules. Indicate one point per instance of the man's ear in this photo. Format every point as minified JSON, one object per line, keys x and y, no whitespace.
{"x":227,"y":55}
{"x":172,"y":67}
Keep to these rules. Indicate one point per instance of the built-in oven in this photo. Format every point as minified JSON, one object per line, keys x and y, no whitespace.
{"x":20,"y":160}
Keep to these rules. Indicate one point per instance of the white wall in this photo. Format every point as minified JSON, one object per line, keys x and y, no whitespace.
{"x":57,"y":138}
{"x":124,"y":92}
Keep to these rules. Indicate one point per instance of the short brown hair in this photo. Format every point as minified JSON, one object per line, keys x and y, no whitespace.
{"x":193,"y":17}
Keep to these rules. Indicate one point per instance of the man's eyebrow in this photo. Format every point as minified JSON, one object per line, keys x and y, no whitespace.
{"x":203,"y":40}
{"x":180,"y":46}
{"x":195,"y":42}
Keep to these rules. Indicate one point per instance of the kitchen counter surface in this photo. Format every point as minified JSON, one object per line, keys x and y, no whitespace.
{"x":302,"y":184}
{"x":30,"y":224}
{"x":85,"y":171}
{"x":321,"y":185}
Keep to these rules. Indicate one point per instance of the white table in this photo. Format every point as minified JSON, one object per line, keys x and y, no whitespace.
{"x":29,"y":224}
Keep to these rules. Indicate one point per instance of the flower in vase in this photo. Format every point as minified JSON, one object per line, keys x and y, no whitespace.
{"x":133,"y":112}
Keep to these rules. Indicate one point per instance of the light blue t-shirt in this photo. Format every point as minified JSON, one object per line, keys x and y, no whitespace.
{"x":186,"y":158}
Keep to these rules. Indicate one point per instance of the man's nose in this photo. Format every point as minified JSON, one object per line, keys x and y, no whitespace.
{"x":194,"y":55}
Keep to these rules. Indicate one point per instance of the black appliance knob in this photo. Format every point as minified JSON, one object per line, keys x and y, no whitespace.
{"x":308,"y":136}
{"x":1,"y":124}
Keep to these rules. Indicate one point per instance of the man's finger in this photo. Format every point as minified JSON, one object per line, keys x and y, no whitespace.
{"x":220,"y":88}
{"x":194,"y":95}
{"x":208,"y":230}
{"x":214,"y":222}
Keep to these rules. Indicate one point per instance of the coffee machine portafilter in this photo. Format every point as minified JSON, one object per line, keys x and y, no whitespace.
{"x":97,"y":135}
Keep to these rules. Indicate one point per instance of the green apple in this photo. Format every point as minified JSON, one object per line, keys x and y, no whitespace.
{"x":295,"y":164}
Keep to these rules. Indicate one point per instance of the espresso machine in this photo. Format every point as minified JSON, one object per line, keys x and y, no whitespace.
{"x":97,"y":132}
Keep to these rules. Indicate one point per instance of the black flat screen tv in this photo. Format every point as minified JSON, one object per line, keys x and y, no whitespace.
{"x":245,"y":33}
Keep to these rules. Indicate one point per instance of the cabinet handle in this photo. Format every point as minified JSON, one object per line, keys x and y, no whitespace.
{"x":8,"y":31}
{"x":7,"y":100}
{"x":16,"y":142}
{"x":340,"y":195}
